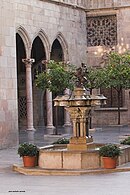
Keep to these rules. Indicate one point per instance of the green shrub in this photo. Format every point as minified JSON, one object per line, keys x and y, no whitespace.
{"x":109,"y":150}
{"x":126,"y":141}
{"x":27,"y":149}
{"x":62,"y":141}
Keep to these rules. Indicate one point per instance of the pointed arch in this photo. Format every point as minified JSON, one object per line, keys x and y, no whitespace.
{"x":64,"y":45}
{"x":44,"y":38}
{"x":59,"y":52}
{"x":26,"y":40}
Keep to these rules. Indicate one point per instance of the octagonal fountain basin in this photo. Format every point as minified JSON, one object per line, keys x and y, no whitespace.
{"x":58,"y":157}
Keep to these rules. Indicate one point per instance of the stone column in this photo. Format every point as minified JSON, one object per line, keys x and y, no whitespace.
{"x":29,"y":96}
{"x":81,"y":127}
{"x":85,"y":126}
{"x":67,"y":122}
{"x":50,"y":127}
{"x":74,"y":128}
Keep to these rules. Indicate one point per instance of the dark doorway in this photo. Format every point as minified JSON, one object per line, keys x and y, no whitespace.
{"x":21,"y":84}
{"x":57,"y":55}
{"x":39,"y":98}
{"x":56,"y":51}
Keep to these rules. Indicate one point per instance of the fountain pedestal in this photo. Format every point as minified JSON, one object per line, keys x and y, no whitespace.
{"x":79,"y":105}
{"x":79,"y":143}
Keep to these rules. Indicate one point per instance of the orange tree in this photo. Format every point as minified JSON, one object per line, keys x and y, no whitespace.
{"x":94,"y":81}
{"x":56,"y":78}
{"x":116,"y":74}
{"x":94,"y":78}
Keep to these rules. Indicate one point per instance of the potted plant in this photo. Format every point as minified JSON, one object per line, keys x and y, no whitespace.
{"x":62,"y":141}
{"x":126,"y":141}
{"x":29,"y":154}
{"x":109,"y":153}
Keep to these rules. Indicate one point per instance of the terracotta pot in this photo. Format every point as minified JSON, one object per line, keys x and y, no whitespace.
{"x":109,"y":163}
{"x":29,"y":161}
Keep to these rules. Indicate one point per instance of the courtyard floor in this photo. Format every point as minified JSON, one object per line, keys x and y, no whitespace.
{"x":96,"y":184}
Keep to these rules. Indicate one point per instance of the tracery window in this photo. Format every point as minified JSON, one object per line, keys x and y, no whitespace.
{"x":102,"y":31}
{"x":22,"y":107}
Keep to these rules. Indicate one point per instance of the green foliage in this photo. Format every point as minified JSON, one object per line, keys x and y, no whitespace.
{"x":109,"y":150}
{"x":56,"y":78}
{"x":27,"y":149}
{"x":117,"y":72}
{"x":62,"y":141}
{"x":126,"y":141}
{"x":94,"y":78}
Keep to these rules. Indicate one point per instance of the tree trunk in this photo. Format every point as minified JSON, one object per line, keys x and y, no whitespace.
{"x":119,"y":114}
{"x":56,"y":121}
{"x":90,"y":114}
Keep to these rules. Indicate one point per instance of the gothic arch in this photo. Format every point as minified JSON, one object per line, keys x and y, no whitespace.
{"x":27,"y":42}
{"x":59,"y":52}
{"x":41,"y":34}
{"x":64,"y":45}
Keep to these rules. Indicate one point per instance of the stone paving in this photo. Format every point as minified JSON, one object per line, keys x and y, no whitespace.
{"x":109,"y":134}
{"x":101,"y":184}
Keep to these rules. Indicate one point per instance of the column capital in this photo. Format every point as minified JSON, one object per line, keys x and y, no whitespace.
{"x":28,"y":61}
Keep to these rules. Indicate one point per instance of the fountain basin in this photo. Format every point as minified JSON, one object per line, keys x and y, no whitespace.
{"x":57,"y":160}
{"x":58,"y":157}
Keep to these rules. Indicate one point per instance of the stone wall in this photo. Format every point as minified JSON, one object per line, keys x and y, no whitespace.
{"x":81,"y":4}
{"x":107,"y":116}
{"x":91,"y":4}
{"x":99,"y":4}
{"x":52,"y":19}
{"x":32,"y":17}
{"x":8,"y":76}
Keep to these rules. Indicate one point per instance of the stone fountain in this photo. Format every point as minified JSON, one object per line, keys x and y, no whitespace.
{"x":81,"y":155}
{"x":79,"y":105}
{"x":80,"y":152}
